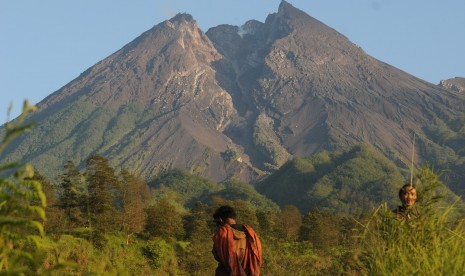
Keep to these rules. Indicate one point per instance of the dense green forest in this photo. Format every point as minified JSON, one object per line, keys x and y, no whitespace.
{"x":328,"y":214}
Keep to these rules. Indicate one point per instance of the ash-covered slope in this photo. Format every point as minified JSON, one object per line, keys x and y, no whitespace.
{"x":232,"y":102}
{"x":317,"y":90}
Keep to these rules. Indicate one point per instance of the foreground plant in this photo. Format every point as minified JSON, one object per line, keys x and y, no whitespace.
{"x":22,"y":204}
{"x":431,"y":243}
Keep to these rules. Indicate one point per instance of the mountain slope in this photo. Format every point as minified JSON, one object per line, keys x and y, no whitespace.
{"x":321,"y":91}
{"x":152,"y":105}
{"x":235,"y":101}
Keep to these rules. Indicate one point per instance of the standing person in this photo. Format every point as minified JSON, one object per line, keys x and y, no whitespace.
{"x":408,"y":197}
{"x":236,"y":247}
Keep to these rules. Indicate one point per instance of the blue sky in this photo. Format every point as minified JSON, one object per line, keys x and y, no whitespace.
{"x":46,"y":44}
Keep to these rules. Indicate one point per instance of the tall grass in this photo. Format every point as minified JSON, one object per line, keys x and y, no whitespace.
{"x":430,"y":242}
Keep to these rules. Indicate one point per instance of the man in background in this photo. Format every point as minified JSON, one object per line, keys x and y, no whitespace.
{"x":408,"y":197}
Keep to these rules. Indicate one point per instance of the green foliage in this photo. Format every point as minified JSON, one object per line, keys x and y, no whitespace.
{"x":229,"y":155}
{"x":72,"y":195}
{"x":322,"y":229}
{"x":235,"y":189}
{"x":196,"y":223}
{"x":288,"y":258}
{"x":189,"y":186}
{"x":103,"y":188}
{"x":54,"y":214}
{"x":444,"y":148}
{"x":20,"y":220}
{"x":291,"y":220}
{"x":122,"y":123}
{"x":50,"y":140}
{"x":15,"y":128}
{"x":429,"y":243}
{"x":119,"y":258}
{"x":22,"y":213}
{"x":289,"y":183}
{"x":134,"y":195}
{"x":196,"y":256}
{"x":157,"y":252}
{"x":440,"y":156}
{"x":68,"y":254}
{"x":335,"y":181}
{"x":246,"y":211}
{"x":177,"y":241}
{"x":81,"y":257}
{"x":268,"y":143}
{"x":163,"y":220}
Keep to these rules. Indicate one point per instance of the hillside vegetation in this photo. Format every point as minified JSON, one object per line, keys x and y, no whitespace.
{"x":351,"y":181}
{"x":97,"y":220}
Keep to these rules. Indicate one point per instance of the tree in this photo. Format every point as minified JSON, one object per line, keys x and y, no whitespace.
{"x":269,"y":222}
{"x":197,"y":257}
{"x":103,"y":188}
{"x":163,"y":220}
{"x":72,"y":194}
{"x":246,"y":213}
{"x":54,"y":214}
{"x":196,"y":223}
{"x":291,"y":221}
{"x":135,"y":194}
{"x":322,"y":229}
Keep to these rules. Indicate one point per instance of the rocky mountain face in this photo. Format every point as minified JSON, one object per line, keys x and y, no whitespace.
{"x":234,"y":101}
{"x":455,"y":84}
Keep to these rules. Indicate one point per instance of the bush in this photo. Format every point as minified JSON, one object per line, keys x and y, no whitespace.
{"x":161,"y":256}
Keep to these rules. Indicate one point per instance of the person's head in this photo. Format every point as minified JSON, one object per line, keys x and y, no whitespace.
{"x":408,"y":195}
{"x":224,"y":214}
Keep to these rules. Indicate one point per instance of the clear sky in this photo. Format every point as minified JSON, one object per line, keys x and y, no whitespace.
{"x":46,"y":44}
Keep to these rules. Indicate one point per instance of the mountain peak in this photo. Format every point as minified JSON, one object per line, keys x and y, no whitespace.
{"x":235,"y":101}
{"x":182,"y":17}
{"x":181,"y":20}
{"x":287,"y":9}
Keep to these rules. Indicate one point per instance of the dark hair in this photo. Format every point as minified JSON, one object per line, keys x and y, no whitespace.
{"x":403,"y":190}
{"x":224,"y":212}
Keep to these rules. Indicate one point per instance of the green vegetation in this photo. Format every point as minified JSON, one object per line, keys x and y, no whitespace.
{"x":334,"y":181}
{"x":268,"y":143}
{"x":445,"y":148}
{"x":331,"y":217}
{"x":189,"y":187}
{"x":22,"y":204}
{"x":430,"y":243}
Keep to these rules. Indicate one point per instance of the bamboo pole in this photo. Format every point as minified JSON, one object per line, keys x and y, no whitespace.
{"x":413,"y":158}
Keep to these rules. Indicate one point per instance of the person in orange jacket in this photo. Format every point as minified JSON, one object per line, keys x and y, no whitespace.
{"x":236,"y":247}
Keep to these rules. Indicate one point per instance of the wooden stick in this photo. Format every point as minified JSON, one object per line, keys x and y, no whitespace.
{"x":413,"y":158}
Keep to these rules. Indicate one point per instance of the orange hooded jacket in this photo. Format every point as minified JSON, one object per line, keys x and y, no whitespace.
{"x":237,"y":257}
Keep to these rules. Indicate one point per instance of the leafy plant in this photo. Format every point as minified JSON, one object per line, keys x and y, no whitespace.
{"x":22,"y":204}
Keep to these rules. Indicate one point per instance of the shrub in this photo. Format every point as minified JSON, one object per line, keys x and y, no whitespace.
{"x":161,"y":256}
